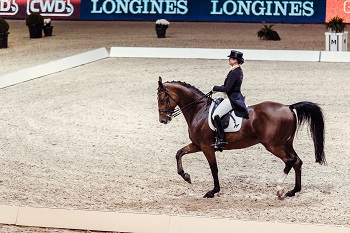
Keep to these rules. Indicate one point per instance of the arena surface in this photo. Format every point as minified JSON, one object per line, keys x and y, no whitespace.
{"x":89,"y":138}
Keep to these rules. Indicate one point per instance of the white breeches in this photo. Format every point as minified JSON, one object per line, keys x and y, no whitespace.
{"x":223,"y":108}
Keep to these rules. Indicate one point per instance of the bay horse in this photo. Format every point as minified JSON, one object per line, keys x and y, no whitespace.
{"x":272,"y":124}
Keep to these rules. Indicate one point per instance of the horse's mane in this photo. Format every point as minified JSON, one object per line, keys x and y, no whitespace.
{"x":189,"y":86}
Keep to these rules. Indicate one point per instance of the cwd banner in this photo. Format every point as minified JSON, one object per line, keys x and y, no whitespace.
{"x":20,"y":9}
{"x":339,"y":8}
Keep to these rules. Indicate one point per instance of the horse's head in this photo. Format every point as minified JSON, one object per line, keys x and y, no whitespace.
{"x":166,"y":103}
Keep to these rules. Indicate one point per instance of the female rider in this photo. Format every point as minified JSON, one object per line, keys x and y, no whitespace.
{"x":235,"y":100}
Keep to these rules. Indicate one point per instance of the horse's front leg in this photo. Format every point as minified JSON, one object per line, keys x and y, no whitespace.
{"x":211,"y":158}
{"x":190,"y":148}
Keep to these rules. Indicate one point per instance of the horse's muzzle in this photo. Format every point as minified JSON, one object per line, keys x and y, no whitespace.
{"x":164,"y":120}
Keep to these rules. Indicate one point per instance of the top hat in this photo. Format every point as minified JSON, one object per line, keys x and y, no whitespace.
{"x":237,"y":55}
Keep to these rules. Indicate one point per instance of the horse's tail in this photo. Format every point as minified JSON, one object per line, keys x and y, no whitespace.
{"x":312,"y":113}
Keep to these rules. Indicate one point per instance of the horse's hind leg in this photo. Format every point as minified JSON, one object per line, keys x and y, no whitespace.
{"x":190,"y":148}
{"x":297,"y":168}
{"x":289,"y":159}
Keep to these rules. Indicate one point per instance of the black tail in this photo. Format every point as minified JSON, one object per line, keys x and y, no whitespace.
{"x":312,"y":113}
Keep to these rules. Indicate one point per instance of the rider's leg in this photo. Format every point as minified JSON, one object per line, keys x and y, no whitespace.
{"x":220,"y":133}
{"x":223,"y":108}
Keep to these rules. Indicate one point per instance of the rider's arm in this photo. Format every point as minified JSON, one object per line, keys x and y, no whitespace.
{"x":229,"y":83}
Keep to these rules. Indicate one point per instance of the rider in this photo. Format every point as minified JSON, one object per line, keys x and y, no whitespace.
{"x":235,"y":100}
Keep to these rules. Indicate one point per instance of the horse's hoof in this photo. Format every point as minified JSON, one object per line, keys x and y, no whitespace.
{"x":187,"y":178}
{"x":290,"y":194}
{"x":209,"y":194}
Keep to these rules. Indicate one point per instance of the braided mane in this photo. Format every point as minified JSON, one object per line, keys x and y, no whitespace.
{"x":189,"y":86}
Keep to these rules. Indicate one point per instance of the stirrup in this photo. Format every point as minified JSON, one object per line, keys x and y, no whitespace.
{"x":219,"y":143}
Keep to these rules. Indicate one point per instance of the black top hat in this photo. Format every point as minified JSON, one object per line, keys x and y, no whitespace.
{"x":237,"y":55}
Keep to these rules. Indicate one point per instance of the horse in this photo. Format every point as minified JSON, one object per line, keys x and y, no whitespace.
{"x":272,"y":124}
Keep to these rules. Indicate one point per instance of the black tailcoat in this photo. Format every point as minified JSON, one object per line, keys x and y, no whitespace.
{"x":232,"y":87}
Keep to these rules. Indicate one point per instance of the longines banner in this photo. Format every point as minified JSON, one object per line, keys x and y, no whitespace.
{"x":288,"y":11}
{"x":206,"y":10}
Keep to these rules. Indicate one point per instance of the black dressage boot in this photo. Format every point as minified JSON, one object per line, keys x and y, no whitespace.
{"x":220,"y":134}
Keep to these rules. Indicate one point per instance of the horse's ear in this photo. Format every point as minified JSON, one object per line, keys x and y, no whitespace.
{"x":160,"y":83}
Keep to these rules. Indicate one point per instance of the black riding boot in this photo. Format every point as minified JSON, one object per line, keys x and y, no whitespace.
{"x":220,"y":133}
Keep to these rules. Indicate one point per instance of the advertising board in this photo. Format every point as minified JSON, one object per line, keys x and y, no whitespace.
{"x":311,"y":11}
{"x":339,"y":8}
{"x":65,"y":9}
{"x":274,"y":11}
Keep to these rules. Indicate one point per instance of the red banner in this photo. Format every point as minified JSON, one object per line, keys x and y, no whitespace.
{"x":19,"y":9}
{"x":339,"y":8}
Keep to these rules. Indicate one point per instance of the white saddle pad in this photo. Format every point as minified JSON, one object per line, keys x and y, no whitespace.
{"x":234,"y":125}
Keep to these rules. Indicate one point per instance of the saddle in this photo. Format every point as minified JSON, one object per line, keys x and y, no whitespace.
{"x":230,"y":122}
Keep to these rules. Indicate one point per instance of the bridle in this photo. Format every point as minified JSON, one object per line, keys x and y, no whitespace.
{"x":171,"y":113}
{"x":168,"y":111}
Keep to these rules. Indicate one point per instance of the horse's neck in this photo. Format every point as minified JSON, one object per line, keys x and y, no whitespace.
{"x":185,"y":100}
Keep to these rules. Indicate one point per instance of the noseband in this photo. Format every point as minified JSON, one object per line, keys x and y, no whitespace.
{"x":177,"y":111}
